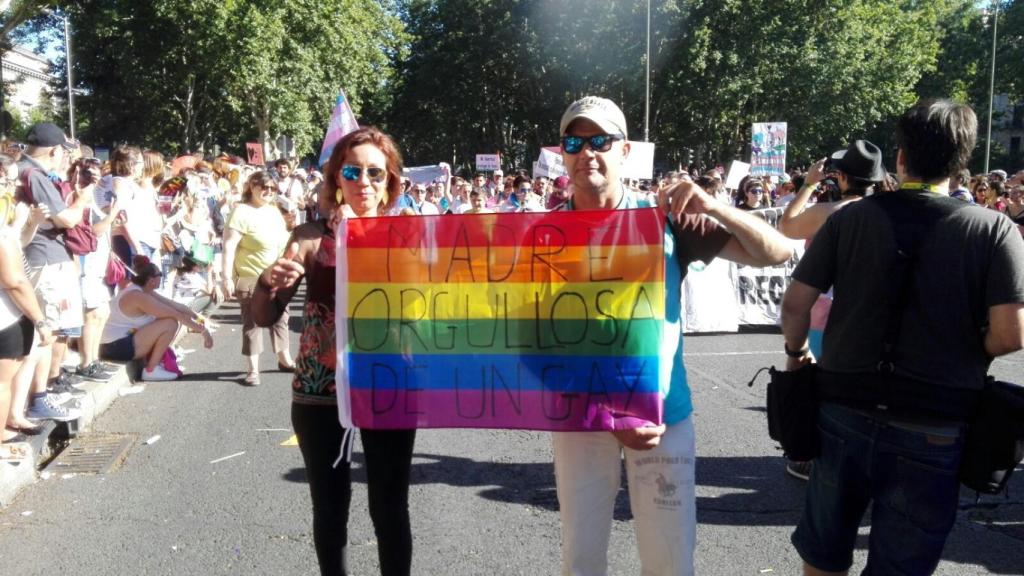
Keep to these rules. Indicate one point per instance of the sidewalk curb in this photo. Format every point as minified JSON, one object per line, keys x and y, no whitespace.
{"x":99,"y":397}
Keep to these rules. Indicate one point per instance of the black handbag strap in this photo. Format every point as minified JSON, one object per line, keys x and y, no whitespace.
{"x":912,"y":217}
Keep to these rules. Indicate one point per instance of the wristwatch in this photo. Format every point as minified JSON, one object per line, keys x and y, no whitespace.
{"x":42,"y":325}
{"x":795,"y":353}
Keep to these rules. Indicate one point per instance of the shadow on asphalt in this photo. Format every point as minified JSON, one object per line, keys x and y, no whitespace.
{"x":734,"y":491}
{"x":229,"y":377}
{"x":228,"y":314}
{"x":748,"y":491}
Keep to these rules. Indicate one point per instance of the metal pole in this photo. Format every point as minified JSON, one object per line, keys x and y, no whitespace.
{"x":991,"y":82}
{"x":71,"y":92}
{"x":647,"y":83}
{"x":3,"y":116}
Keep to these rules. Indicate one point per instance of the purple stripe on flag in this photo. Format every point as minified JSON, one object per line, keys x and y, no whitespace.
{"x":394,"y":408}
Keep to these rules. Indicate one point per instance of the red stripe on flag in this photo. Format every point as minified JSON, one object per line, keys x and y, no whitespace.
{"x":552,"y":229}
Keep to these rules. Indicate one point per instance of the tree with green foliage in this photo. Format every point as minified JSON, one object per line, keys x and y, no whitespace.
{"x":14,"y":13}
{"x":186,"y":75}
{"x":453,"y":78}
{"x":487,"y":76}
{"x":291,"y":58}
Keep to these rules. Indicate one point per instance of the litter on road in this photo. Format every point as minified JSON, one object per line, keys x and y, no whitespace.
{"x":152,"y":440}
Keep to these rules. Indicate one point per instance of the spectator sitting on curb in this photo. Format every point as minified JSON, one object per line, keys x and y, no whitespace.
{"x":143,"y":323}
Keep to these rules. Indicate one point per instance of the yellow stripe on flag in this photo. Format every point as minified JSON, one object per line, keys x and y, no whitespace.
{"x":512,"y":300}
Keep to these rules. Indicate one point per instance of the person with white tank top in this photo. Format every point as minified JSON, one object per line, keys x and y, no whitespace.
{"x":143,"y":323}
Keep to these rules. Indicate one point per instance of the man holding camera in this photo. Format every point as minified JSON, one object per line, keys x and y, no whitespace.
{"x":927,"y":290}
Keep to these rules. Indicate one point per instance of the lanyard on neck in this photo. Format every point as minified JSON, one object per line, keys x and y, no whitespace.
{"x":917,"y":186}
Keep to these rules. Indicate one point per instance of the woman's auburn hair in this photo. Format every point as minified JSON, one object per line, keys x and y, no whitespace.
{"x":384,"y":143}
{"x":261,"y":179}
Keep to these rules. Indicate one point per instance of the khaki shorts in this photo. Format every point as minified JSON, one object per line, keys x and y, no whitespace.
{"x":95,"y":292}
{"x":59,"y":294}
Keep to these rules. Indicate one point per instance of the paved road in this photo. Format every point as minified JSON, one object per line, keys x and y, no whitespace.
{"x":483,"y":502}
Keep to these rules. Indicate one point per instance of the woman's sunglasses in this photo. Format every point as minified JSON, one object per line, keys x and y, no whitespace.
{"x":598,"y":143}
{"x":353,"y":173}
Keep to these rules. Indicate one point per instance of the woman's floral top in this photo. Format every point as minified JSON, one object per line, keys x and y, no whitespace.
{"x":315,"y":366}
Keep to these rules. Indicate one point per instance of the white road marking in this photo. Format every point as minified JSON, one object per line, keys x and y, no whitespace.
{"x":748,"y":353}
{"x":236,"y":454}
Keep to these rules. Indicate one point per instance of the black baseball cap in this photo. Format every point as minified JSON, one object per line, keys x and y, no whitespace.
{"x":47,"y":135}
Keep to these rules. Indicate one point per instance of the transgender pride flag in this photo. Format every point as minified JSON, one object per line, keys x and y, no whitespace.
{"x":342,"y":122}
{"x":541,"y":321}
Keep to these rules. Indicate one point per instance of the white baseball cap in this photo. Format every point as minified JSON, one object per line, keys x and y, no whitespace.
{"x":600,"y":111}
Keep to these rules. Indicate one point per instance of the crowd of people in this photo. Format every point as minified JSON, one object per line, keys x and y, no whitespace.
{"x":121,"y":257}
{"x":114,"y":260}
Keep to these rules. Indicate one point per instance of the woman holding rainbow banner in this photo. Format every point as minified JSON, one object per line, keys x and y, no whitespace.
{"x":362,"y":178}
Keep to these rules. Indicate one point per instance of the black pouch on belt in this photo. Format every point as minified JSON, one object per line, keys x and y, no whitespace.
{"x":995,"y":438}
{"x":793,"y":412}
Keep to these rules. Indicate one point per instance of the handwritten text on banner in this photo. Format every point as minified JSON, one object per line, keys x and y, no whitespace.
{"x":544,"y":321}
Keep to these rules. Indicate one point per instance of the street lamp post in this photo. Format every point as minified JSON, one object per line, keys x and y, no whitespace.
{"x":4,"y":5}
{"x":71,"y":90}
{"x":647,"y":83}
{"x":991,"y":82}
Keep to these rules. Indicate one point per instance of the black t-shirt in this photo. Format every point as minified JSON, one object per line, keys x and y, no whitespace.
{"x":971,"y":260}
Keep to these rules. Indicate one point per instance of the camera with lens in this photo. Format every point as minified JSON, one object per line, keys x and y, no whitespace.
{"x":829,"y":190}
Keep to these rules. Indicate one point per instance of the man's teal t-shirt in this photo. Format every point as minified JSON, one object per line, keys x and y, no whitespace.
{"x":697,"y":238}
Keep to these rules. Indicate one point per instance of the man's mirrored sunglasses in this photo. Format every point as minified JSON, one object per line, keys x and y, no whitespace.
{"x":352,"y":173}
{"x":597,"y":143}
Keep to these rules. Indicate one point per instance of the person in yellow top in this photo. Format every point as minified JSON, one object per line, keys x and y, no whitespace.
{"x":254,"y":238}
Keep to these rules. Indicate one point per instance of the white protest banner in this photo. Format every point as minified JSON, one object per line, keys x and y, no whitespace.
{"x":423,"y":174}
{"x":737,"y":170}
{"x":488,"y":162}
{"x":549,"y":163}
{"x":640,"y":162}
{"x":768,"y":149}
{"x":709,"y":298}
{"x":759,"y":291}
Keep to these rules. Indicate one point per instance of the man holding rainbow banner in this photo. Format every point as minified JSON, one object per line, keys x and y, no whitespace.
{"x":659,"y":459}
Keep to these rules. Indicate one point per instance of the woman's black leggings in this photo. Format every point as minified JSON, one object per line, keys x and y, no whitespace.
{"x":388,"y":456}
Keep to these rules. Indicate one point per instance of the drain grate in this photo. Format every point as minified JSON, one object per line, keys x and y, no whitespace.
{"x":94,"y":454}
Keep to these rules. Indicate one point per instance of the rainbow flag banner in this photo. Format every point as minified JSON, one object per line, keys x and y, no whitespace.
{"x":541,"y":321}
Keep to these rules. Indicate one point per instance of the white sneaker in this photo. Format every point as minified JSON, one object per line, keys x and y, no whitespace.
{"x":158,"y":374}
{"x":48,"y":409}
